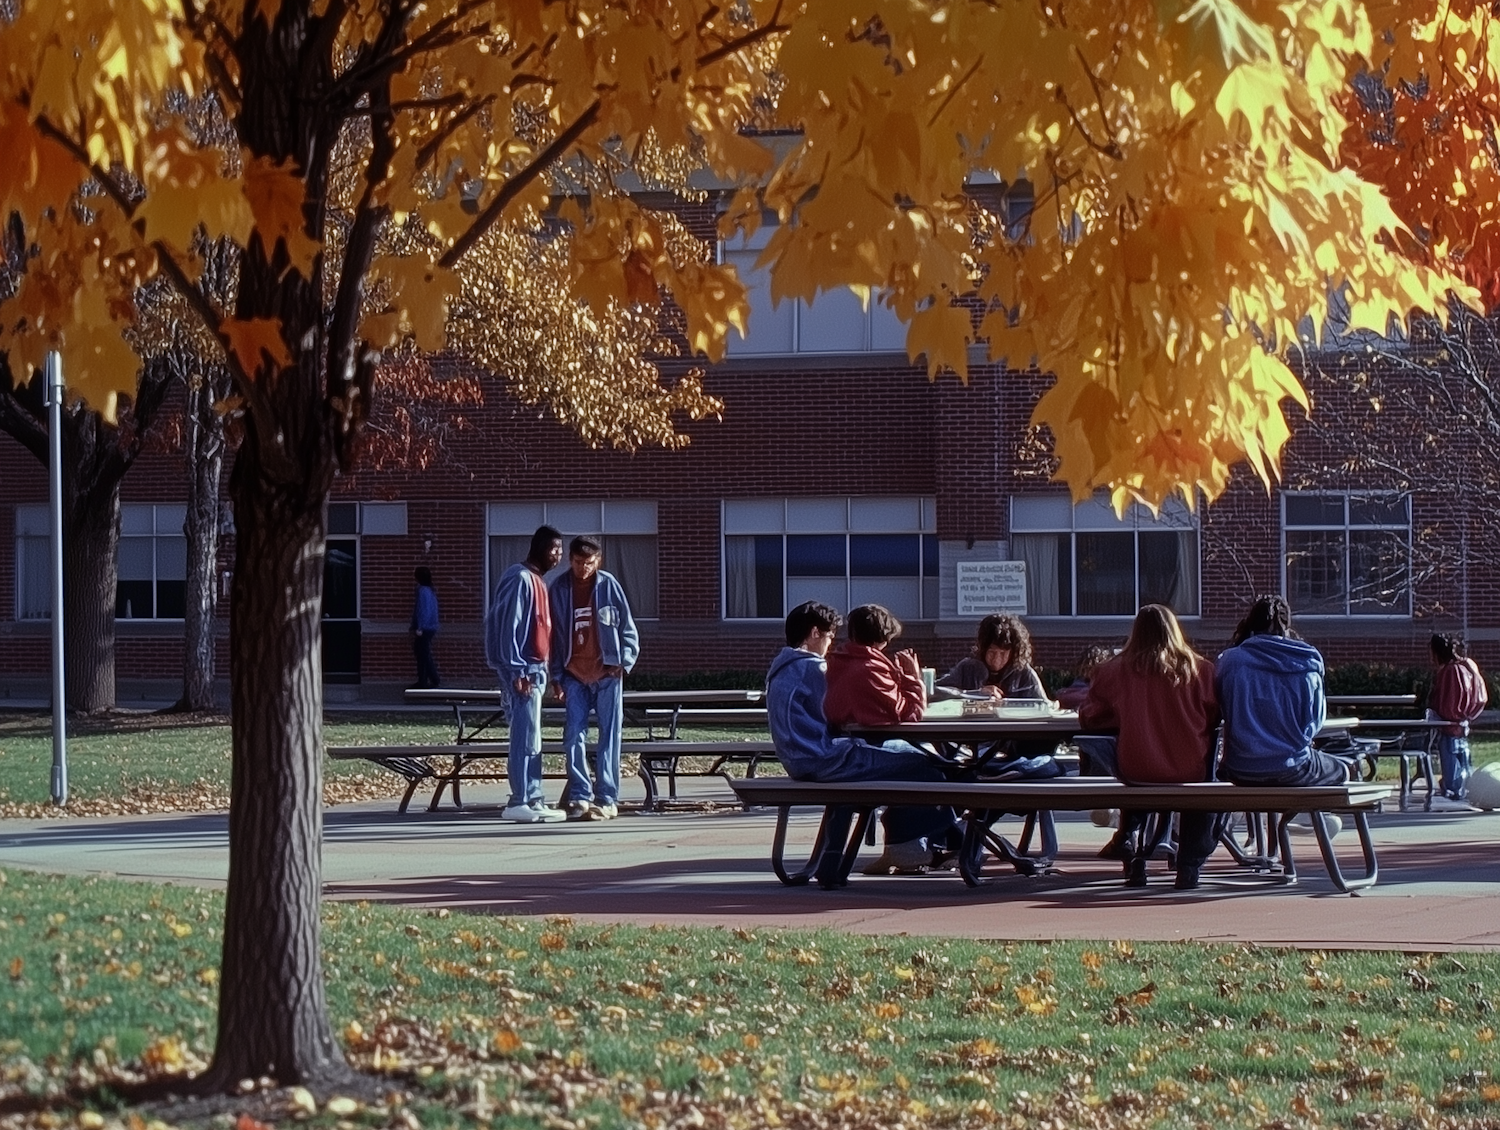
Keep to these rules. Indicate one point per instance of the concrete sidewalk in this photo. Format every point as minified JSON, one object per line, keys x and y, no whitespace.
{"x":1438,"y":876}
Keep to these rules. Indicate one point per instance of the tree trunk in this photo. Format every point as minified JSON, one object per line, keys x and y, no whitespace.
{"x":273,"y":1015}
{"x":91,"y":538}
{"x":205,"y":429}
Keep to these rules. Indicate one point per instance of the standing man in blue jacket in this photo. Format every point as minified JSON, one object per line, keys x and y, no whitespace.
{"x":1270,"y":691}
{"x":594,"y":644}
{"x":517,"y":644}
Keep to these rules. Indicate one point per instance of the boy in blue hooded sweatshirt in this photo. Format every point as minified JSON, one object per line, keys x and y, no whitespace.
{"x":1270,"y":690}
{"x":808,"y":749}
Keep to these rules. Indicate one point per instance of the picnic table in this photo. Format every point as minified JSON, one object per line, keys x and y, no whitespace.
{"x":1410,"y":742}
{"x":476,"y":710}
{"x":1371,"y":699}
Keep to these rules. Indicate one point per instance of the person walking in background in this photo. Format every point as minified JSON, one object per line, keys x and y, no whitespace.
{"x":1458,"y":695}
{"x":517,"y":644}
{"x":594,"y":645}
{"x":1158,"y":696}
{"x":1000,"y":664}
{"x":424,"y":626}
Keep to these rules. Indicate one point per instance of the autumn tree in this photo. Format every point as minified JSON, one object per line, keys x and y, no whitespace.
{"x":1190,"y":207}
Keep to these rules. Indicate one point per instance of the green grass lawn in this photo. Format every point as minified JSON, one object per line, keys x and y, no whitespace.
{"x":523,"y":1022}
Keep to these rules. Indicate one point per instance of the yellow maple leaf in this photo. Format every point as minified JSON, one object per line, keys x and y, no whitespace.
{"x":256,"y":341}
{"x":276,"y":195}
{"x":942,"y":333}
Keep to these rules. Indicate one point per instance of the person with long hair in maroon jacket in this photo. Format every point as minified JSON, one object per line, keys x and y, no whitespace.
{"x":1158,"y":696}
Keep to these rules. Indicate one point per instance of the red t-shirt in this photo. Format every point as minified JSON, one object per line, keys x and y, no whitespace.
{"x":541,"y":620}
{"x":866,"y":688}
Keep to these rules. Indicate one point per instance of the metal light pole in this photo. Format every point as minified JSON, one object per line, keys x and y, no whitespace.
{"x":53,"y":377}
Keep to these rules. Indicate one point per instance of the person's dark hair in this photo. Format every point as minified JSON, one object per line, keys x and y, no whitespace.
{"x":584,"y":546}
{"x":871,"y":624}
{"x":1445,"y":649}
{"x":996,"y":630}
{"x":1156,"y":646}
{"x":423,"y":575}
{"x":1095,"y":656}
{"x":801,"y":620}
{"x":1270,"y":615}
{"x":541,"y":543}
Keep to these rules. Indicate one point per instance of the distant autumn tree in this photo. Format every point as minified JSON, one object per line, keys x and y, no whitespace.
{"x":1190,"y":207}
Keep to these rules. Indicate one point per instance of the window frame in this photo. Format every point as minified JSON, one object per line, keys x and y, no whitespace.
{"x":1348,"y":527}
{"x":737,"y":347}
{"x":543,"y":516}
{"x":927,"y":521}
{"x":155,"y":537}
{"x":1134,"y":515}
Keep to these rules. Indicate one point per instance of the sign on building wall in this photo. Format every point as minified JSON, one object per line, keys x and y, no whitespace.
{"x":991,"y":586}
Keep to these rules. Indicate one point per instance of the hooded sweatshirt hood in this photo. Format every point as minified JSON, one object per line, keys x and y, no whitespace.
{"x":1270,"y":690}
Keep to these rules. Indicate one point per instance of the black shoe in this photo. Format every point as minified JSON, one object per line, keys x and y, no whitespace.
{"x":1117,"y":848}
{"x":1187,"y":878}
{"x":1135,"y":872}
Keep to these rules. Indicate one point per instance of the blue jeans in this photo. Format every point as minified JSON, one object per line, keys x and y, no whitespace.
{"x":523,"y":767}
{"x":1453,"y":751}
{"x":603,"y":699}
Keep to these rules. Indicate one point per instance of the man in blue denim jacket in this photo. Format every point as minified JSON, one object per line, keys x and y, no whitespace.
{"x":594,"y":644}
{"x":517,"y":644}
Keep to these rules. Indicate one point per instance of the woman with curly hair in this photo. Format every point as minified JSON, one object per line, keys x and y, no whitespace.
{"x":1000,"y":664}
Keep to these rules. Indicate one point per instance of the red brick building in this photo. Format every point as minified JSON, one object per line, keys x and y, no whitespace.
{"x":838,"y":472}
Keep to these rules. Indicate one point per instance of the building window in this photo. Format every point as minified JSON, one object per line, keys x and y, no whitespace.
{"x":834,"y":322}
{"x":626,"y":529}
{"x":33,"y":567}
{"x":1082,"y":560}
{"x":1347,"y":554}
{"x":153,"y":563}
{"x":841,"y":551}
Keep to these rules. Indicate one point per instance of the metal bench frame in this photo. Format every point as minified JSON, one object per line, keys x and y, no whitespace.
{"x":983,"y":802}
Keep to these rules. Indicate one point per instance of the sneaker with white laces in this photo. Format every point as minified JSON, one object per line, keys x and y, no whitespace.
{"x":531,"y":814}
{"x":580,"y":810}
{"x":606,"y":811}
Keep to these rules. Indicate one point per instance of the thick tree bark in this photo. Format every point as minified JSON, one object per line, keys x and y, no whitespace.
{"x":91,"y":539}
{"x":273,"y":1016}
{"x":205,"y":453}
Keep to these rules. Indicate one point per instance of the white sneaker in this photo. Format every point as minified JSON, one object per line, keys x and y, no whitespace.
{"x":1104,"y":817}
{"x":1302,"y":822}
{"x":526,"y":814}
{"x":607,"y":811}
{"x":580,"y":810}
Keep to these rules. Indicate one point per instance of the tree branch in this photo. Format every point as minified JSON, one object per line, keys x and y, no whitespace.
{"x":750,"y":37}
{"x":430,"y":147}
{"x":513,"y":187}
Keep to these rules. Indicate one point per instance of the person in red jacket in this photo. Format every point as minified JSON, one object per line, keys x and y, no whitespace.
{"x":867,"y":687}
{"x":1458,"y":695}
{"x":1158,"y":696}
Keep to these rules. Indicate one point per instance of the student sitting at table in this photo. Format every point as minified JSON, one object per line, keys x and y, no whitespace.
{"x":1157,"y":695}
{"x":810,"y":751}
{"x":1000,"y":664}
{"x":1094,"y":656}
{"x":1270,"y":688}
{"x":867,"y":687}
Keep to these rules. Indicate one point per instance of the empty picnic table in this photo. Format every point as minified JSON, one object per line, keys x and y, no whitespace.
{"x":642,"y":708}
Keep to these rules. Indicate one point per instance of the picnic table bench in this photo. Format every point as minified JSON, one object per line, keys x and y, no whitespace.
{"x":982,"y":802}
{"x":477,"y":710}
{"x":485,"y":761}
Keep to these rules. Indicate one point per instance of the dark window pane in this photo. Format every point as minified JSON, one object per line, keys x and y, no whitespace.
{"x":1379,"y":575}
{"x":930,"y":556}
{"x":1314,"y":510}
{"x":1315,"y":572}
{"x":171,"y":600}
{"x":884,"y":555}
{"x":1378,"y":510}
{"x":1161,"y":568}
{"x":341,"y":580}
{"x":768,"y":589}
{"x":133,"y":600}
{"x":632,"y":559}
{"x":343,"y":518}
{"x":1064,"y":575}
{"x":815,"y":555}
{"x":1106,"y":574}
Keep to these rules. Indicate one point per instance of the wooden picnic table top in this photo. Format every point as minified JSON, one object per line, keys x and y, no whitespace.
{"x":1371,"y":699}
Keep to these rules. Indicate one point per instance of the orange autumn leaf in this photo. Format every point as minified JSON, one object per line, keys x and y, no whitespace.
{"x":255,"y":340}
{"x":276,"y":195}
